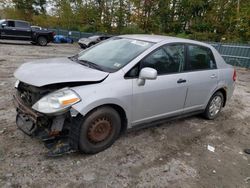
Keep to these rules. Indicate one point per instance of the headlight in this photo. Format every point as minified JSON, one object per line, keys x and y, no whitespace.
{"x":17,"y":83}
{"x":57,"y":102}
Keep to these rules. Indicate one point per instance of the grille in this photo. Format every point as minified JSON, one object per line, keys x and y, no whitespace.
{"x":27,"y":97}
{"x":29,"y":94}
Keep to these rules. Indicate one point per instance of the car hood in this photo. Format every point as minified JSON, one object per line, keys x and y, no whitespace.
{"x":57,"y":70}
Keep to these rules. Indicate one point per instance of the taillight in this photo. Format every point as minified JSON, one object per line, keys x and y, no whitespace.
{"x":234,"y":75}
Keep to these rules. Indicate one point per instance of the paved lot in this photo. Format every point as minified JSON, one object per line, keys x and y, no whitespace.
{"x":173,"y":154}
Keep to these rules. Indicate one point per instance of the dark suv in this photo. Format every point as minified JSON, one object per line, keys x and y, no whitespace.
{"x":21,"y":30}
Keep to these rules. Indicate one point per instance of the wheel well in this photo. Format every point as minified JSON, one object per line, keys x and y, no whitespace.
{"x":123,"y":116}
{"x":224,"y":92}
{"x":42,"y":36}
{"x":121,"y":113}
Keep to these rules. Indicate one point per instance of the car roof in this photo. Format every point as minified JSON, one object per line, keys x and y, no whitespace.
{"x":162,"y":38}
{"x":148,"y":38}
{"x":15,"y":20}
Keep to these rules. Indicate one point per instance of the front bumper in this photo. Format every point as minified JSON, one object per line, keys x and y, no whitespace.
{"x":53,"y":131}
{"x":26,"y":118}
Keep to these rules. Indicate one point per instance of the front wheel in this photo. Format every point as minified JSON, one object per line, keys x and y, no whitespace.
{"x":99,"y":130}
{"x":214,"y":106}
{"x":42,"y":41}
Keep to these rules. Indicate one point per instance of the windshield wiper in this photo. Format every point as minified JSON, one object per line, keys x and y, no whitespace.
{"x":90,"y":64}
{"x":86,"y":63}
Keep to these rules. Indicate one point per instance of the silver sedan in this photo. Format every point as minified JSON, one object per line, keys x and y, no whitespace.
{"x":84,"y":102}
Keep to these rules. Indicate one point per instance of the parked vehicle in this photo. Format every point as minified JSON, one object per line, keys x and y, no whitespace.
{"x":86,"y":101}
{"x":62,"y":39}
{"x":90,"y":41}
{"x":21,"y":30}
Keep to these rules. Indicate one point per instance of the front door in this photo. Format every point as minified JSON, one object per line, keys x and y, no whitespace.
{"x":165,"y":96}
{"x":9,"y":30}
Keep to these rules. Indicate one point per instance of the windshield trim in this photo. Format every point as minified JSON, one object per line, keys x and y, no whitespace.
{"x":139,"y":40}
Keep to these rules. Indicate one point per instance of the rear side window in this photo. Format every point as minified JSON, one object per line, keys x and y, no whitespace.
{"x":199,"y":58}
{"x":21,"y":24}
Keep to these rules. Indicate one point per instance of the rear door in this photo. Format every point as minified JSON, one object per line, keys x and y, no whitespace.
{"x":202,"y":77}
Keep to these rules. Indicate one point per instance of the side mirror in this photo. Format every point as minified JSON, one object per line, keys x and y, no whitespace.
{"x":147,"y":74}
{"x":3,"y":25}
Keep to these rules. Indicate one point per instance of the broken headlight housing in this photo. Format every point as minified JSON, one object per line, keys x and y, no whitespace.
{"x":57,"y":102}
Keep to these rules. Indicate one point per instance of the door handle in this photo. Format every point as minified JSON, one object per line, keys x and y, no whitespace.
{"x":213,"y":76}
{"x":13,"y":29}
{"x":181,"y":81}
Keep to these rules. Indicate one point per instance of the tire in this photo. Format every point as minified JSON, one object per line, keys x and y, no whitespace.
{"x":99,"y":130}
{"x":217,"y":100}
{"x":42,"y":41}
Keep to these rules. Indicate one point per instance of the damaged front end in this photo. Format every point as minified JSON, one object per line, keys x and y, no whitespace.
{"x":40,"y":115}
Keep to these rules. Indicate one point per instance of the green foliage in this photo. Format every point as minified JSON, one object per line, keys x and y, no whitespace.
{"x":196,"y":19}
{"x":132,"y":29}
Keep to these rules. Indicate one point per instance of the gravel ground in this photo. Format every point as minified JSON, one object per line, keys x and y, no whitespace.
{"x":173,"y":154}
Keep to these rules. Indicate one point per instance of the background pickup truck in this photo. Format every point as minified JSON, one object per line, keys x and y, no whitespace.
{"x":22,"y":30}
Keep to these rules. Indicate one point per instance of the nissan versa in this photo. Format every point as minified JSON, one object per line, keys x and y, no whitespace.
{"x":84,"y":102}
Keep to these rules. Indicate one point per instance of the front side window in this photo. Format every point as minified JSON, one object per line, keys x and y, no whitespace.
{"x":113,"y":54}
{"x":11,"y":24}
{"x":168,"y":59}
{"x":200,"y":58}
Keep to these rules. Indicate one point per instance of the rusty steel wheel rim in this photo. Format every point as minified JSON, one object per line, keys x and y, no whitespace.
{"x":99,"y":130}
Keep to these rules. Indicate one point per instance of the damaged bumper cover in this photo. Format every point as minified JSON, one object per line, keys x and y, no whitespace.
{"x":26,"y":118}
{"x":54,"y":131}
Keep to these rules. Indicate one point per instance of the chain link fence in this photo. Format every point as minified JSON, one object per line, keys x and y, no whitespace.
{"x":234,"y":53}
{"x":75,"y":35}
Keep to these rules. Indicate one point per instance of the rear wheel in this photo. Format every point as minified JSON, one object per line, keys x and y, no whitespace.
{"x":42,"y":41}
{"x":214,"y":106}
{"x":99,"y":130}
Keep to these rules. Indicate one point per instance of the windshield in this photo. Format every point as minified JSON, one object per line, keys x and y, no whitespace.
{"x":115,"y":53}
